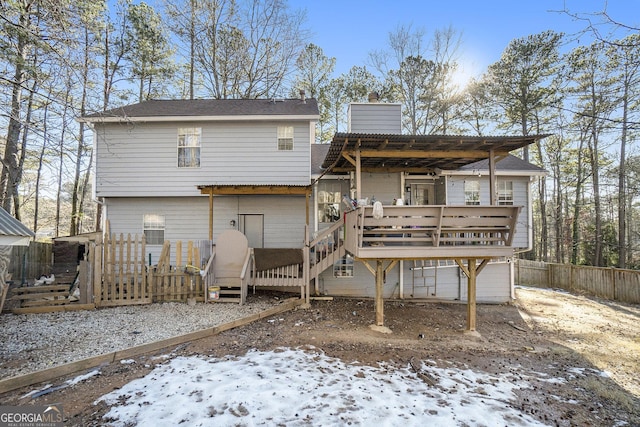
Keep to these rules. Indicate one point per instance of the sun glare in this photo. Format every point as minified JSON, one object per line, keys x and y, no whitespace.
{"x":463,"y":75}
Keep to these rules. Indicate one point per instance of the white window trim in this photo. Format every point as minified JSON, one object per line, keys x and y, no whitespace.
{"x":186,"y":138}
{"x":159,"y":224}
{"x":476,"y":183}
{"x":285,"y":140}
{"x":505,"y":194}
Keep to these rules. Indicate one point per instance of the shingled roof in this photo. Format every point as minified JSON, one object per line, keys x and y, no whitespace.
{"x":202,"y":109}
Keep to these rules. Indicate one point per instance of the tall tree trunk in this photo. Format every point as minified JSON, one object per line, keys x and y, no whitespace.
{"x":577,"y":204}
{"x":11,"y":174}
{"x":45,"y":138}
{"x":542,"y":195}
{"x":61,"y":159}
{"x":85,"y":185}
{"x":622,"y":192}
{"x":23,"y":149}
{"x":597,"y":204}
{"x":75,"y":203}
{"x":559,"y":222}
{"x":192,"y":48}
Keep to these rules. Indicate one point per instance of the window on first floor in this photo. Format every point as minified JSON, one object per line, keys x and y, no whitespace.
{"x":505,"y":192}
{"x":285,"y":138}
{"x":343,"y":267}
{"x":472,"y":192}
{"x":189,"y":142}
{"x":153,"y":226}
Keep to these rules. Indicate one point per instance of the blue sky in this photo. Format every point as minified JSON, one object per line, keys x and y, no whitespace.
{"x":349,"y":29}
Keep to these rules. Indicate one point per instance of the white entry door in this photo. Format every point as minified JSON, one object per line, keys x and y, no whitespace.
{"x":252,"y":226}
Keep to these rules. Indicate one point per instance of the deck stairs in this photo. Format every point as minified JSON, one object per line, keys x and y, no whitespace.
{"x":326,"y":249}
{"x":227,"y":291}
{"x":226,"y":274}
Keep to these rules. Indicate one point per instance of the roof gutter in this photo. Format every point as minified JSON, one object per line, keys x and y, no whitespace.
{"x":230,"y":118}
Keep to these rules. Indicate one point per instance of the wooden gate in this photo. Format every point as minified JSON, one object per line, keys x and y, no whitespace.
{"x":120,"y":274}
{"x":121,"y":277}
{"x":180,"y":282}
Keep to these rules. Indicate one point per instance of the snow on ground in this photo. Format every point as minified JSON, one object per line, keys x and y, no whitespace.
{"x":301,"y":387}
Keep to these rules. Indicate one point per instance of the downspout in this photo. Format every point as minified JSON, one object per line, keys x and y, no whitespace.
{"x":100,"y":201}
{"x":529,"y":234}
{"x":401,"y":263}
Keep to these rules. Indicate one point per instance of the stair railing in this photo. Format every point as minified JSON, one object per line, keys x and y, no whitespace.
{"x":325,"y":250}
{"x":208,"y":275}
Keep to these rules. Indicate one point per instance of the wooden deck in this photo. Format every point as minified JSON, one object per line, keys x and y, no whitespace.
{"x":431,"y":232}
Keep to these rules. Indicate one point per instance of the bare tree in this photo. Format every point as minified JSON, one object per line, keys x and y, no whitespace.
{"x":603,"y":27}
{"x":313,"y":76}
{"x":246,"y":49}
{"x":446,"y":45}
{"x":418,"y":73}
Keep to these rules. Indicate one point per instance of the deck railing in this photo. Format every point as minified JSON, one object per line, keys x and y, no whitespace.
{"x":419,"y":228}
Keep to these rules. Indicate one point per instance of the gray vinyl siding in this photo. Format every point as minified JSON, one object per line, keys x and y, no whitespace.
{"x":455,"y":194}
{"x":441,"y":191}
{"x":284,"y":218}
{"x":375,"y":118}
{"x":384,"y":186}
{"x":493,"y":284}
{"x":140,"y":159}
{"x":187,"y":218}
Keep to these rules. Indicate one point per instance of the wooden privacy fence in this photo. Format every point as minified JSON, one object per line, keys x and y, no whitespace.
{"x":610,"y":283}
{"x":121,"y":277}
{"x":30,"y":262}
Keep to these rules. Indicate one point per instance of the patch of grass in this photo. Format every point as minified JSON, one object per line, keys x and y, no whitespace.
{"x":607,"y":390}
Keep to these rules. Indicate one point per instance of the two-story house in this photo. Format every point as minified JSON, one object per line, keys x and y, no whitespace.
{"x":448,"y":204}
{"x":156,"y":161}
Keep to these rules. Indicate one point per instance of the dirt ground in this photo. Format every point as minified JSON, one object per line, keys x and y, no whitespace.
{"x":549,"y":333}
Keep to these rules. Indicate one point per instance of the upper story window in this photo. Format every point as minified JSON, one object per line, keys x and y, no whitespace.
{"x":505,"y":192}
{"x":153,"y":228}
{"x":189,"y":147}
{"x":285,"y":138}
{"x":472,"y":192}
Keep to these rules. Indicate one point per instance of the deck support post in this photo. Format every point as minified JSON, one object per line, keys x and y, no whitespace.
{"x":493,"y":187}
{"x":380,"y":272}
{"x":211,"y":216}
{"x":471,"y":270}
{"x":379,"y":288}
{"x":471,"y":295}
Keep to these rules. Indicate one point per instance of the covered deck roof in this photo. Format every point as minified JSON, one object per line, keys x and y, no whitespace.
{"x":363,"y":152}
{"x":417,"y":153}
